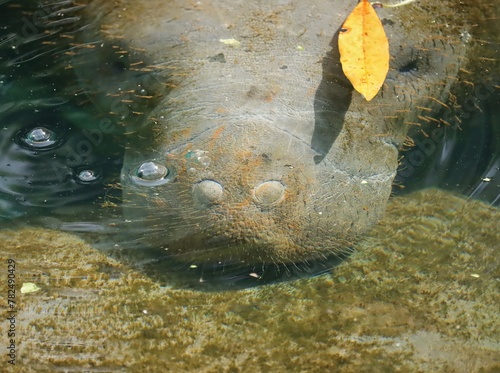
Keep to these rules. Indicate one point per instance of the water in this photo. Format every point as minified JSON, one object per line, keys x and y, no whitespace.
{"x":421,"y":291}
{"x":465,"y":159}
{"x":418,"y":293}
{"x":48,"y":139}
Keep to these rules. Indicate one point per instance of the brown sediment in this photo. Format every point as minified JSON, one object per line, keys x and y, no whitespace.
{"x":419,"y":294}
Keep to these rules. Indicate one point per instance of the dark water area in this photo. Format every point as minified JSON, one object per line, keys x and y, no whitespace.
{"x":63,"y":133}
{"x":464,"y":158}
{"x":55,"y":161}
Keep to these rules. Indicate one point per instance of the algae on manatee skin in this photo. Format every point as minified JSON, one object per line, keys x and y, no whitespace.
{"x":420,"y":294}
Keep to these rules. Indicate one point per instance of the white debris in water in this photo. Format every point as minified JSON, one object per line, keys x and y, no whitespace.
{"x":230,"y":42}
{"x":465,"y":36}
{"x":29,"y":287}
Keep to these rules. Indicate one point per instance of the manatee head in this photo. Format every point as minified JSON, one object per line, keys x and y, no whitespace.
{"x":259,"y":150}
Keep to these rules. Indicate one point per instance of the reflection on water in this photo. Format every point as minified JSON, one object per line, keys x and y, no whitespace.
{"x":50,"y":166}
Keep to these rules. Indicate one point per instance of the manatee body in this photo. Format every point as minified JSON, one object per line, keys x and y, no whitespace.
{"x":246,"y":144}
{"x":260,"y":151}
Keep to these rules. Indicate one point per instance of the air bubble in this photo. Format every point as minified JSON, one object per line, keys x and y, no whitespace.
{"x":40,"y":138}
{"x":87,"y":176}
{"x":151,"y":171}
{"x":151,"y":174}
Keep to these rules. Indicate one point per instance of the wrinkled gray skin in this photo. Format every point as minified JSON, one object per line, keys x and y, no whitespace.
{"x":271,"y":156}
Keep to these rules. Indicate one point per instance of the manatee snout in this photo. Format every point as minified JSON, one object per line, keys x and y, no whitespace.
{"x":250,"y":193}
{"x":265,"y":194}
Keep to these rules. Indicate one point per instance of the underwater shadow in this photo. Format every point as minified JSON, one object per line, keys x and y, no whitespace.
{"x":166,"y":270}
{"x":331,"y":102}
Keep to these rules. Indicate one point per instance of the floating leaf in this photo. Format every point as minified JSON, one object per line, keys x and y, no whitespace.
{"x":364,"y":50}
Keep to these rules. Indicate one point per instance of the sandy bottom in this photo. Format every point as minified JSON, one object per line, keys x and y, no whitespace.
{"x":420,"y":294}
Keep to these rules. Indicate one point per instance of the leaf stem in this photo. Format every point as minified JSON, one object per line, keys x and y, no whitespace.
{"x":386,"y":5}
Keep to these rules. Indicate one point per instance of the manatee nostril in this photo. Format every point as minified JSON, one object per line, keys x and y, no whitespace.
{"x":208,"y":192}
{"x":269,"y":193}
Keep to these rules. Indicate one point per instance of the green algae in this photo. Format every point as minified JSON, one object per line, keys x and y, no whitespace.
{"x":420,"y":294}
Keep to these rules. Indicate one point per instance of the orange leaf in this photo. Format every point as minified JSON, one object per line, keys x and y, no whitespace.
{"x":364,"y":50}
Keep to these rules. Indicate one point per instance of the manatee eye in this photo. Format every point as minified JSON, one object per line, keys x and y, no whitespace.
{"x":151,"y":173}
{"x":39,"y":138}
{"x":118,"y":66}
{"x":409,"y":67}
{"x":412,"y":62}
{"x":410,"y":73}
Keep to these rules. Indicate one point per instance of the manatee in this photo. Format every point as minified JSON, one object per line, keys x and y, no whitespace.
{"x":244,"y":142}
{"x":261,"y":151}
